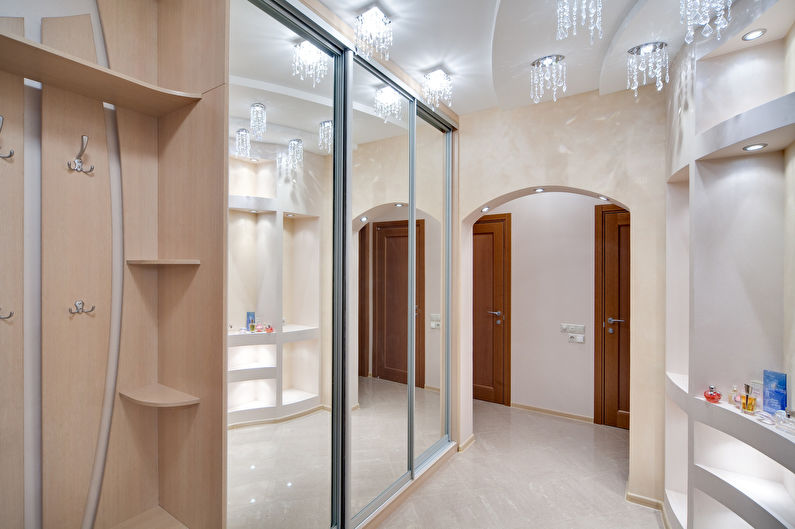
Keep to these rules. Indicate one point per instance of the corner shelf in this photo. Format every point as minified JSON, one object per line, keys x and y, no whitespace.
{"x":163,"y":262}
{"x":155,"y":518}
{"x":159,"y":396}
{"x":775,"y":444}
{"x":291,"y":333}
{"x":760,"y":502}
{"x":251,"y":373}
{"x":676,"y":509}
{"x":48,"y":65}
{"x":251,"y":203}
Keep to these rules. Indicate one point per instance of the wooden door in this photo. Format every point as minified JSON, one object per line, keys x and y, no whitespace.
{"x":390,"y":268}
{"x":491,"y":304}
{"x":611,"y":362}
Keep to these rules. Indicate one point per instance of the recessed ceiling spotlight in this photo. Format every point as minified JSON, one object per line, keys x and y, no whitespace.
{"x":363,"y":219}
{"x":291,"y":214}
{"x":539,"y":190}
{"x":602,"y":198}
{"x":398,"y":205}
{"x":484,"y":210}
{"x":755,"y":147}
{"x":754,"y":34}
{"x":253,"y":211}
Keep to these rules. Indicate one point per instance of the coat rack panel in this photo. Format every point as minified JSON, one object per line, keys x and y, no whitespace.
{"x":11,"y":292}
{"x":76,"y":256}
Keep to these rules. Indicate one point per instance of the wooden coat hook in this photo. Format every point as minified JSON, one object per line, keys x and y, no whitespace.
{"x":10,"y":152}
{"x":77,"y":163}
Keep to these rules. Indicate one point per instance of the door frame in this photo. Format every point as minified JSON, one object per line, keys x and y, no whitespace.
{"x":599,"y":328}
{"x":364,"y":293}
{"x":507,"y":315}
{"x":419,"y":285}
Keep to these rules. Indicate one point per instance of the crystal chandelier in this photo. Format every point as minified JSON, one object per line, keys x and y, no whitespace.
{"x":650,"y":59}
{"x":388,"y":103}
{"x":309,"y":62}
{"x":295,"y":153}
{"x":325,"y":136}
{"x":437,"y":87}
{"x":258,"y":121}
{"x":373,"y":34}
{"x":242,"y":143}
{"x":701,"y":13}
{"x":547,"y":73}
{"x":590,"y":15}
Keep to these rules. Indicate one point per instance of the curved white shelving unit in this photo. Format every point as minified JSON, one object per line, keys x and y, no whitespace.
{"x":772,"y":123}
{"x":760,"y":502}
{"x":291,"y":333}
{"x":160,"y":396}
{"x":676,"y":388}
{"x":251,"y":373}
{"x":252,"y":204}
{"x":775,"y":444}
{"x":675,"y":505}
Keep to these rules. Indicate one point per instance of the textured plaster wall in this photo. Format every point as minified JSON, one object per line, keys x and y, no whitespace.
{"x":613,"y":145}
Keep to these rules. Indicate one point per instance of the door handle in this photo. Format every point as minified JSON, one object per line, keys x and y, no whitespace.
{"x":613,"y":320}
{"x":495,"y":312}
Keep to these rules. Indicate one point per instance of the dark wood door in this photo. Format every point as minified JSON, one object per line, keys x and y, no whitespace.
{"x":491,"y":303}
{"x":390,"y":303}
{"x":611,"y":398}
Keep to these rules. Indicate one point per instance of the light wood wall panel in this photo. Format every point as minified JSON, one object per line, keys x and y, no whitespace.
{"x":130,"y":30}
{"x":130,"y":486}
{"x":193,"y":44}
{"x":76,"y":253}
{"x":11,"y":294}
{"x":191,"y":309}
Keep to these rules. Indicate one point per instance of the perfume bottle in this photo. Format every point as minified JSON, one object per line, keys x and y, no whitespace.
{"x":734,"y":397}
{"x":712,"y":395}
{"x":748,"y":400}
{"x":260,"y":327}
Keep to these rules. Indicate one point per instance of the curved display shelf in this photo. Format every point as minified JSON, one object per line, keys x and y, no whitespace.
{"x":772,"y":123}
{"x":156,"y":518}
{"x":768,"y":440}
{"x":47,"y":65}
{"x":676,"y":387}
{"x":760,"y":502}
{"x":675,"y":506}
{"x":252,"y":204}
{"x":163,"y":262}
{"x":291,"y":333}
{"x":160,"y":396}
{"x":251,"y":373}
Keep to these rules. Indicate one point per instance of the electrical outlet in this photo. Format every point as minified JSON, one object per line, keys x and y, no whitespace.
{"x":576,"y":338}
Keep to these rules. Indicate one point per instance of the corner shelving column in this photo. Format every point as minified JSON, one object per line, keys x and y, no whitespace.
{"x":726,"y":277}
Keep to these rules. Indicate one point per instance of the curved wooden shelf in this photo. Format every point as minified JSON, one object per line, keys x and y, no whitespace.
{"x":50,"y":66}
{"x":155,"y":518}
{"x":159,"y":396}
{"x":772,"y":123}
{"x":163,"y":262}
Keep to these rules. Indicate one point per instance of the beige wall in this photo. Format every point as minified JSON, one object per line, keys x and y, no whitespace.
{"x":613,"y":145}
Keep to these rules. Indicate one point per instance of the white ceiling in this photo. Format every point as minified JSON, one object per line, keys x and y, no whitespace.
{"x":486,"y":45}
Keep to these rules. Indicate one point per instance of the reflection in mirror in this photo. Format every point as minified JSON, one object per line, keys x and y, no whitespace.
{"x":279,"y":276}
{"x":378,"y":278}
{"x":429,"y":419}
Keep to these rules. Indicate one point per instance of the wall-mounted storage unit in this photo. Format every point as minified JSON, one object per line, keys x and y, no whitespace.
{"x":729,"y":249}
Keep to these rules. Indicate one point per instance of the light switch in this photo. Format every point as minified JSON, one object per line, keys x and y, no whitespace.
{"x":436,"y":321}
{"x":572,"y":328}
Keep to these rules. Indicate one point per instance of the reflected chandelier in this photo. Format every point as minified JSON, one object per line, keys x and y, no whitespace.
{"x":437,"y":87}
{"x":590,"y":11}
{"x":243,"y":143}
{"x":547,"y":73}
{"x":373,"y":34}
{"x":309,"y":62}
{"x":257,"y":121}
{"x":701,"y":13}
{"x":295,"y":153}
{"x":388,"y":103}
{"x":325,"y":136}
{"x":650,"y":59}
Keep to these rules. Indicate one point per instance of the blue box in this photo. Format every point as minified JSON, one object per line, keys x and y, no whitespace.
{"x":250,"y":319}
{"x":774,"y":393}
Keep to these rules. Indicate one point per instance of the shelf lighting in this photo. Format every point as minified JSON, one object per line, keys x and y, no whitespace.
{"x":755,"y":147}
{"x":398,"y":205}
{"x":539,"y":190}
{"x":754,"y":34}
{"x":252,"y":211}
{"x":291,"y":214}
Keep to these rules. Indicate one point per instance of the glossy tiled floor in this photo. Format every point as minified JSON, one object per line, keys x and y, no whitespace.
{"x":529,"y":470}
